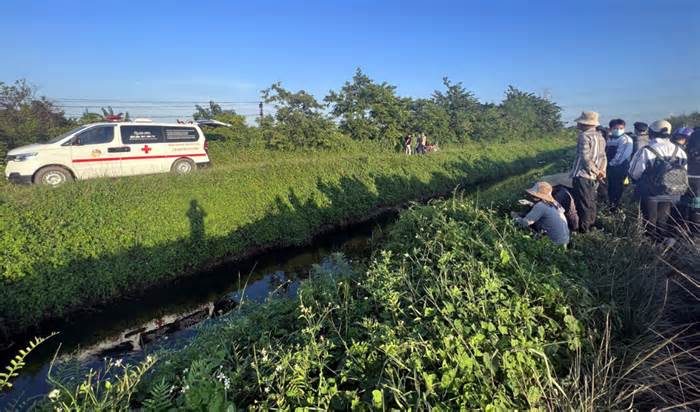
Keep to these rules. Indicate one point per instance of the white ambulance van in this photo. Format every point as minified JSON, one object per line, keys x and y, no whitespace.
{"x":110,"y":149}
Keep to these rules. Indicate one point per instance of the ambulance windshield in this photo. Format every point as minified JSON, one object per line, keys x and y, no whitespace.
{"x":66,"y":134}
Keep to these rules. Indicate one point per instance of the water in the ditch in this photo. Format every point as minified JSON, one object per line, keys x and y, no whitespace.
{"x":166,"y":315}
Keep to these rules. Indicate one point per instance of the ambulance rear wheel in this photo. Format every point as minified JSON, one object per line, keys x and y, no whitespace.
{"x":182,"y":166}
{"x":52,"y":176}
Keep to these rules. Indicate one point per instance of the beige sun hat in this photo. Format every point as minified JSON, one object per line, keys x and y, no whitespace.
{"x":588,"y":118}
{"x":659,"y":126}
{"x":541,"y":190}
{"x":559,"y":179}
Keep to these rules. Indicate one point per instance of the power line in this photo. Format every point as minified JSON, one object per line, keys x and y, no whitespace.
{"x":154,"y":101}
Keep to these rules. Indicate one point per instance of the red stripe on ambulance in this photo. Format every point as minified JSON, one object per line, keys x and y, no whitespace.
{"x":106,"y":159}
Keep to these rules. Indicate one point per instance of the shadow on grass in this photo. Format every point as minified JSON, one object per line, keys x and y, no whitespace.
{"x":29,"y":304}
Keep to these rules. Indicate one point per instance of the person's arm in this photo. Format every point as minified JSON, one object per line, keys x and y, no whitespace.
{"x":532,"y":216}
{"x":639,"y":163}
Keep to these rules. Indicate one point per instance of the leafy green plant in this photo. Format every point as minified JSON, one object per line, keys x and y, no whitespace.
{"x":159,"y":398}
{"x":18,"y":362}
{"x":108,"y":389}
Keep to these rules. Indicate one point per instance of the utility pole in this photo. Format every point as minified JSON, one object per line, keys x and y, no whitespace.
{"x":260,"y":105}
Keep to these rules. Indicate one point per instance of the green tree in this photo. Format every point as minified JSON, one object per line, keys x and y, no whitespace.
{"x":462,"y":107}
{"x":685,"y":120}
{"x":298,"y":121}
{"x":26,"y":118}
{"x":368,"y":110}
{"x":430,"y":118}
{"x":527,"y":114}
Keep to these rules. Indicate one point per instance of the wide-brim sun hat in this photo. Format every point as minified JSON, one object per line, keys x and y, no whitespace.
{"x":588,"y":118}
{"x":541,"y":190}
{"x":559,"y":179}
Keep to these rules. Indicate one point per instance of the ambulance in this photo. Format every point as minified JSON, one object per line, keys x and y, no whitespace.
{"x":110,"y":149}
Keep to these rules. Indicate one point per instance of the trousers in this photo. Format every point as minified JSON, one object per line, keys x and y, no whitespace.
{"x":584,"y":192}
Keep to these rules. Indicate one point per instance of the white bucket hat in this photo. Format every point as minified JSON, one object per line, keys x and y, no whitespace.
{"x":661,"y":126}
{"x":588,"y":118}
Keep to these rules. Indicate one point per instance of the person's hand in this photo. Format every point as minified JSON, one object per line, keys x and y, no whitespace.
{"x":601,"y":176}
{"x":525,"y":202}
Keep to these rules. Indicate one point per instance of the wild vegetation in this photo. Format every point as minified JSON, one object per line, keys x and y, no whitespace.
{"x":457,"y":309}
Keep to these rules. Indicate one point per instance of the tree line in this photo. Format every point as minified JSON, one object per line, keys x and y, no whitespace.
{"x":362,"y":110}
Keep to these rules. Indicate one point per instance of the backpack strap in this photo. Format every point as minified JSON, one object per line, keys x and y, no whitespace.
{"x":675,"y":152}
{"x":657,"y":154}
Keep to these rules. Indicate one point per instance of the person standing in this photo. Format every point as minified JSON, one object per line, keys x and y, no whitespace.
{"x":640,"y":138}
{"x":660,"y":171}
{"x":407,"y":145}
{"x":619,"y":155}
{"x":589,"y":168}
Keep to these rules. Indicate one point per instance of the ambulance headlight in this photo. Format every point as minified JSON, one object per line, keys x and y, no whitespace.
{"x":22,"y":157}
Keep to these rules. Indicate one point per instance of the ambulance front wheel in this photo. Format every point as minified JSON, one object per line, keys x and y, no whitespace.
{"x":182,"y":166}
{"x":52,"y":176}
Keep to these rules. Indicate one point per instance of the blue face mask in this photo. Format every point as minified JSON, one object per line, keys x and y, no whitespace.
{"x":618,"y":132}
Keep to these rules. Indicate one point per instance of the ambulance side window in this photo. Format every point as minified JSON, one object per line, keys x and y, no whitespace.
{"x":141,"y":134}
{"x":95,"y":135}
{"x":180,"y":134}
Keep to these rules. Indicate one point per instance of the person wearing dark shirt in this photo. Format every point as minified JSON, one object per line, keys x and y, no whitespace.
{"x":619,"y":151}
{"x":640,"y":137}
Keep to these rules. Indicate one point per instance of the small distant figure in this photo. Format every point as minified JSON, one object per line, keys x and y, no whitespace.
{"x":546,"y":214}
{"x":422,"y":143}
{"x":589,"y":169}
{"x":407,"y":141}
{"x":640,"y":137}
{"x":431,"y":148}
{"x":660,"y":171}
{"x":619,"y":151}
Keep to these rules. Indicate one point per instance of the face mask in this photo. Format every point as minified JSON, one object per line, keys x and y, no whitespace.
{"x":618,"y":132}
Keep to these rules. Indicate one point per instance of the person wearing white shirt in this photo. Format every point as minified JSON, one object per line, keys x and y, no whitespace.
{"x":656,"y":208}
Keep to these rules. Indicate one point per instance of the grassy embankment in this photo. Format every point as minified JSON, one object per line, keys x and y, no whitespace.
{"x":458,"y":310}
{"x":90,"y":242}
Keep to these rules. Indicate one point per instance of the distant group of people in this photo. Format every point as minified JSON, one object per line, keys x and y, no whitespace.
{"x":663,"y":164}
{"x":422,"y":146}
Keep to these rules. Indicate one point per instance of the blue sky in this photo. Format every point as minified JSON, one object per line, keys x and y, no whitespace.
{"x":635,"y":59}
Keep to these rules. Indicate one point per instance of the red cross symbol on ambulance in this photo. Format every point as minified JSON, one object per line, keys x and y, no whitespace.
{"x":146,"y":149}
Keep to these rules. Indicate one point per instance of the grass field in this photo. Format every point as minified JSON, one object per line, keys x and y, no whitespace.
{"x":93,"y":241}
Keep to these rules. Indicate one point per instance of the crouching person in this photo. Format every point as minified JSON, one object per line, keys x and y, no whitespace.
{"x":546,"y":215}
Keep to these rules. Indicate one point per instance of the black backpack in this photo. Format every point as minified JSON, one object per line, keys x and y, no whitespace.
{"x":667,"y":176}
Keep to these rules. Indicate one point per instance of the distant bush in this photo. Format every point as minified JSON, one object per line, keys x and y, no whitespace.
{"x":298,"y":122}
{"x":687,"y":120}
{"x":26,"y":118}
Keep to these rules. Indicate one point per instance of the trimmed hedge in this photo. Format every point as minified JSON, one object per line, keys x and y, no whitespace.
{"x":90,"y":242}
